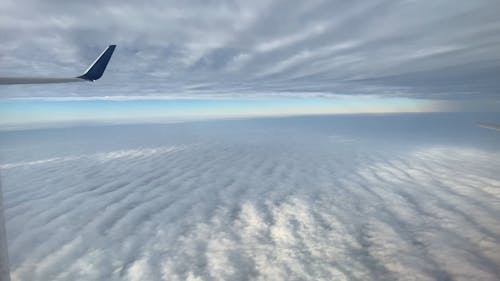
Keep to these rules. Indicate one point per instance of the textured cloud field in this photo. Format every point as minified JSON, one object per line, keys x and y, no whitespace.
{"x":426,"y":49}
{"x":395,"y":197}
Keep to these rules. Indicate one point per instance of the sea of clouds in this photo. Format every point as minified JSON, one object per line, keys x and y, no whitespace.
{"x":389,"y":197}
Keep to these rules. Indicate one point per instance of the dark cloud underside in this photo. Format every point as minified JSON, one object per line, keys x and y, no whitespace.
{"x":423,"y":49}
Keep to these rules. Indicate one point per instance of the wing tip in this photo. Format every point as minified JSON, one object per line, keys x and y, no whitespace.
{"x":96,"y":70}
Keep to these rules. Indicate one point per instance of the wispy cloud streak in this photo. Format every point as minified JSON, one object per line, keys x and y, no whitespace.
{"x":447,"y":49}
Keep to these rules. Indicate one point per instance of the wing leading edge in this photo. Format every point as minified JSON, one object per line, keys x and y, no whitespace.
{"x":93,"y":73}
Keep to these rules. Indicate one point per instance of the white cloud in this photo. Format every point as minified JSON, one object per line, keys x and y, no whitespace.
{"x":100,"y":157}
{"x":274,"y":199}
{"x":165,"y":46}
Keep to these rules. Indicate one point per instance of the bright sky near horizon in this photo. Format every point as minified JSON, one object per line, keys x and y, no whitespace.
{"x":33,"y":113}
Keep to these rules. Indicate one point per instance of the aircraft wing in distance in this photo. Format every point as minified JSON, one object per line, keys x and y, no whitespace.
{"x":93,"y":73}
{"x":490,"y":126}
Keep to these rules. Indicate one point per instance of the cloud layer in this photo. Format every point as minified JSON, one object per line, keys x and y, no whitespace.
{"x":319,"y":198}
{"x":444,"y":49}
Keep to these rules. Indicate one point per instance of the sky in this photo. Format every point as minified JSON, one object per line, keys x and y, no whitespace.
{"x":442,"y":51}
{"x":25,"y":114}
{"x":366,"y":161}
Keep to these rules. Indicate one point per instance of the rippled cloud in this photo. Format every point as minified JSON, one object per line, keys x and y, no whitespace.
{"x":317,"y":198}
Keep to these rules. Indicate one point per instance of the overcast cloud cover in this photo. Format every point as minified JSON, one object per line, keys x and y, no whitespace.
{"x":424,"y":49}
{"x":311,"y":198}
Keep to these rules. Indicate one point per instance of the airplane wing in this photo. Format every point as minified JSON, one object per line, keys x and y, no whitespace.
{"x":490,"y":126}
{"x":93,"y":73}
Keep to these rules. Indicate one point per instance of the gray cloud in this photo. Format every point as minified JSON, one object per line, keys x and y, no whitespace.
{"x":444,"y":49}
{"x":270,"y":199}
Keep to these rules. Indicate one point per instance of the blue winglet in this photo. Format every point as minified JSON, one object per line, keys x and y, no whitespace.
{"x":96,"y":70}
